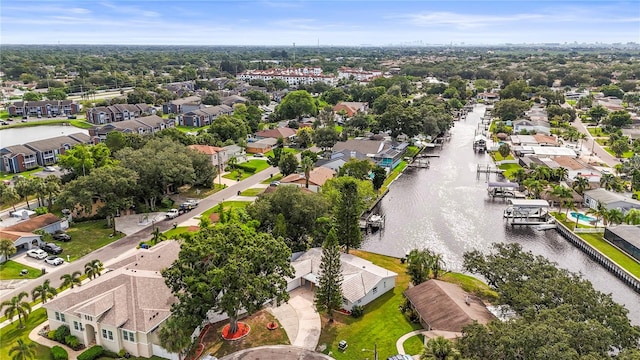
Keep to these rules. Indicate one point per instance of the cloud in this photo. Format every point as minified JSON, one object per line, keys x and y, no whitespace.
{"x":130,"y":10}
{"x":79,"y":11}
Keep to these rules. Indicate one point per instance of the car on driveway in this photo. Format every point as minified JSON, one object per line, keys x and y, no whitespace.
{"x":37,"y":254}
{"x":51,"y":248}
{"x":61,"y":236}
{"x":54,"y":260}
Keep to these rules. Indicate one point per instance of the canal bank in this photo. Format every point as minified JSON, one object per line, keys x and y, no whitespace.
{"x":446,"y":209}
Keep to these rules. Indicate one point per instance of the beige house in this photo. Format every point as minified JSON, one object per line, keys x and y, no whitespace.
{"x":317,"y":177}
{"x":124,"y":307}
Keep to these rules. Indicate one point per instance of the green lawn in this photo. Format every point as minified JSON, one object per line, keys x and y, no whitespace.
{"x":571,"y":102}
{"x":412,"y":151}
{"x":10,"y":334}
{"x":77,"y":123}
{"x":273,"y":178}
{"x":187,"y":128}
{"x":510,"y":169}
{"x":498,"y":157}
{"x":382,"y":323}
{"x":200,"y":192}
{"x":11,"y":270}
{"x":175,"y":233}
{"x":86,"y":237}
{"x":394,"y":174}
{"x":252,"y":192}
{"x":471,"y":285}
{"x":284,"y":150}
{"x":226,"y":206}
{"x":626,"y":155}
{"x":28,"y":173}
{"x":596,"y":131}
{"x":258,"y":164}
{"x":338,"y":129}
{"x":602,"y":141}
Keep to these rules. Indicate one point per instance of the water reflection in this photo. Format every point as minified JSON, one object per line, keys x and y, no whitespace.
{"x":446,"y":209}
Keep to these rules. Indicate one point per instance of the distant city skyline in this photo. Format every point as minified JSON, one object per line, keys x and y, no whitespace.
{"x":311,"y":23}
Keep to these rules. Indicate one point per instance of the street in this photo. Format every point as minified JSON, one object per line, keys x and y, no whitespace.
{"x":592,"y":146}
{"x":112,"y":251}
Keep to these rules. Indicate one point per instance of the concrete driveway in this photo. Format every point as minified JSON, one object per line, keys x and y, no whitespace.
{"x":300,"y":319}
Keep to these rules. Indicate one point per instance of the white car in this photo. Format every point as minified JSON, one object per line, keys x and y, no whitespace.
{"x":172,"y":214}
{"x":37,"y":254}
{"x":49,"y":169}
{"x":54,"y":260}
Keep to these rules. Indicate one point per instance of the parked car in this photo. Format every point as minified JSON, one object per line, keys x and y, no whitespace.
{"x":274,"y":183}
{"x":37,"y":254}
{"x":51,"y":248}
{"x":192,"y":202}
{"x":172,"y":214}
{"x":258,"y":155}
{"x":49,"y":169}
{"x":61,"y":236}
{"x":186,"y":206}
{"x":54,"y":260}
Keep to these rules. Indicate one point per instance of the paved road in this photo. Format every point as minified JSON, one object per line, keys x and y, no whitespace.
{"x":590,"y":144}
{"x":118,"y":247}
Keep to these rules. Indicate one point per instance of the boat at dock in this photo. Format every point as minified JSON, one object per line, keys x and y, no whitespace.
{"x":527,"y":212}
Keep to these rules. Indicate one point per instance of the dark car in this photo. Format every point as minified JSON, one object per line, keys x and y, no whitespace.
{"x":51,"y":248}
{"x":61,"y":236}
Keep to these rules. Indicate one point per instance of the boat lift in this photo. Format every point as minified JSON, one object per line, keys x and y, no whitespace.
{"x":527,"y":212}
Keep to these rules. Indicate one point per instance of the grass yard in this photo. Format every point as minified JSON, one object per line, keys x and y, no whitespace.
{"x":77,"y":123}
{"x":273,"y":178}
{"x":394,"y":174}
{"x":471,"y":285}
{"x":185,"y":128}
{"x":86,"y":237}
{"x":258,"y":336}
{"x":498,"y":157}
{"x":27,"y":174}
{"x":284,"y":150}
{"x":10,"y":334}
{"x":381,"y":324}
{"x":226,"y":206}
{"x":258,"y":164}
{"x":338,"y":129}
{"x":200,"y":192}
{"x":252,"y":192}
{"x":11,"y":270}
{"x":596,"y":131}
{"x":175,"y":233}
{"x":412,"y":151}
{"x":626,"y":155}
{"x":510,"y":169}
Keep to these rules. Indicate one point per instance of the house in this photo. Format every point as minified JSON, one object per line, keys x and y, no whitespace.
{"x":576,"y":167}
{"x":234,"y":151}
{"x":17,"y":158}
{"x":122,"y":308}
{"x":362,"y":281}
{"x":317,"y":177}
{"x":232,"y":100}
{"x":351,"y":108}
{"x":218,"y":155}
{"x":261,"y":146}
{"x":144,"y":125}
{"x":488,"y":97}
{"x":115,"y":113}
{"x":545,"y":140}
{"x":358,"y":74}
{"x":333,"y":164}
{"x":46,"y":108}
{"x":444,"y":306}
{"x":286,"y":133}
{"x":181,"y":88}
{"x":531,"y":126}
{"x":204,"y":116}
{"x":21,"y":240}
{"x":292,"y":76}
{"x":610,"y":199}
{"x":625,"y":237}
{"x":382,"y":153}
{"x":391,"y":157}
{"x":49,"y":223}
{"x":183,"y":105}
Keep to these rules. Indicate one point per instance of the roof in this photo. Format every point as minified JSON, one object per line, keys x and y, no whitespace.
{"x":206,"y":149}
{"x":262,"y":144}
{"x":630,"y":233}
{"x":52,"y":143}
{"x":187,"y":100}
{"x":14,"y":235}
{"x":35,"y":223}
{"x":545,"y":139}
{"x":608,"y":197}
{"x":446,"y":306}
{"x":528,"y":203}
{"x":318,"y":176}
{"x":570,"y":163}
{"x":133,"y":297}
{"x":359,"y":275}
{"x":364,"y":146}
{"x":283,"y":132}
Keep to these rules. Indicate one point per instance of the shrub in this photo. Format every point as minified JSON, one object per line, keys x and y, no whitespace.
{"x":59,"y":353}
{"x":111,"y":354}
{"x":122,"y":352}
{"x":41,"y":210}
{"x":73,"y":342}
{"x":357,"y":311}
{"x":247,"y":168}
{"x":91,"y":353}
{"x":61,"y":333}
{"x":51,"y":335}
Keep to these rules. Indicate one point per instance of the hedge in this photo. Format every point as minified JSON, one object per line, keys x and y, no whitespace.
{"x":91,"y":353}
{"x":247,"y":168}
{"x":59,"y":353}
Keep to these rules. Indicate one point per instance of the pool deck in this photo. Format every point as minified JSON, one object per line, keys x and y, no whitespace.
{"x":583,"y":222}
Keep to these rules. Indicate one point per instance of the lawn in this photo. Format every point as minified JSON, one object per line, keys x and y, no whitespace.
{"x":258,"y":336}
{"x":284,"y":150}
{"x":11,"y":270}
{"x":394,"y":174}
{"x":381,"y":325}
{"x":338,"y":129}
{"x":626,"y":155}
{"x":412,"y":151}
{"x":602,"y":141}
{"x":28,"y":173}
{"x":510,"y":169}
{"x":186,"y":128}
{"x":596,"y":131}
{"x":86,"y":237}
{"x":77,"y":123}
{"x":498,"y":157}
{"x":199,"y":192}
{"x":258,"y":164}
{"x":175,"y":233}
{"x":10,"y":334}
{"x":226,"y":206}
{"x":471,"y":285}
{"x":252,"y":191}
{"x":273,"y":178}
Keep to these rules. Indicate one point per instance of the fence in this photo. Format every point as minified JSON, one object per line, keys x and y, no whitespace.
{"x":588,"y":230}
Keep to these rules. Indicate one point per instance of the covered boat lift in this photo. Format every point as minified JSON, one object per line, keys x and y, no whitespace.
{"x":504,"y":190}
{"x":527,"y":212}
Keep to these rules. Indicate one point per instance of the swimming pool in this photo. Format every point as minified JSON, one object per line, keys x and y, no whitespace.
{"x":582,"y":217}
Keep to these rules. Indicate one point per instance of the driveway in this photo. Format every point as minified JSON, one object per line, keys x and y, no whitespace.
{"x":300,"y":319}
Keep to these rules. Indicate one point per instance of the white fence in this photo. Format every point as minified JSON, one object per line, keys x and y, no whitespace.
{"x":588,"y":230}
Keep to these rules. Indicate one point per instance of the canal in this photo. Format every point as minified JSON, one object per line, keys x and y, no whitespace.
{"x":21,"y":135}
{"x":446,"y":209}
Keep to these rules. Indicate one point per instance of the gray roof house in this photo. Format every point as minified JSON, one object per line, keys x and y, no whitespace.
{"x":626,"y":237}
{"x":143,"y":125}
{"x":610,"y":199}
{"x":362,"y":281}
{"x":537,"y":126}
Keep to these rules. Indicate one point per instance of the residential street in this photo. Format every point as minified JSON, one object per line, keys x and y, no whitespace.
{"x":588,"y":144}
{"x":112,"y":251}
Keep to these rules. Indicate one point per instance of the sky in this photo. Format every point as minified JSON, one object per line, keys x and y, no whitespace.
{"x":327,"y":23}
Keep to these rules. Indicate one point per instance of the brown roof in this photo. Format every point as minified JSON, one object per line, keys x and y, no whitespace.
{"x":442,"y":306}
{"x":317,"y":176}
{"x":545,"y":139}
{"x":35,"y":223}
{"x":13,"y":235}
{"x":569,"y":163}
{"x":283,"y":132}
{"x":206,"y":149}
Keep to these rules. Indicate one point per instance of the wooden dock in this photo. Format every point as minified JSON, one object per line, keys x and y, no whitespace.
{"x":420,"y":163}
{"x":487,"y":170}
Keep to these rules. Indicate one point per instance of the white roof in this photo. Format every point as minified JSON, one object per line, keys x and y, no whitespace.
{"x":550,"y":150}
{"x":528,"y":203}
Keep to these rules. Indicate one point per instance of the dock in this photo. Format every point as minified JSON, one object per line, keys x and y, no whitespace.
{"x":420,"y":163}
{"x":373,"y":221}
{"x":504,"y":190}
{"x":527,"y":212}
{"x":488,"y":170}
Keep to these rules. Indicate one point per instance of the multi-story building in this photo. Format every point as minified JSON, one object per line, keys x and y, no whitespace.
{"x":19,"y":158}
{"x":204,"y":116}
{"x":358,"y":74}
{"x":118,"y":112}
{"x":47,"y":108}
{"x":142,"y":125}
{"x":292,"y":76}
{"x":184,"y":105}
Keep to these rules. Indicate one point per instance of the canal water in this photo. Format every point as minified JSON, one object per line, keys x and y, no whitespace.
{"x":18,"y":136}
{"x":446,"y":209}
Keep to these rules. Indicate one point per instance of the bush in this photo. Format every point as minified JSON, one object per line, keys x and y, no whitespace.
{"x":111,"y":354}
{"x":59,"y":353}
{"x":51,"y":335}
{"x":73,"y":342}
{"x":357,"y":311}
{"x":61,"y":333}
{"x":91,"y":353}
{"x":248,"y":168}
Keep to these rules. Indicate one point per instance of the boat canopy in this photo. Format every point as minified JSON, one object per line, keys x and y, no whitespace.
{"x":522,"y":203}
{"x":503,"y":185}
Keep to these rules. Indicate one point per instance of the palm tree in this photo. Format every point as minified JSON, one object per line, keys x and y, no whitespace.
{"x":437,"y":264}
{"x":157,"y":236}
{"x":542,"y":173}
{"x":52,"y":188}
{"x":43,"y":292}
{"x":615,"y":216}
{"x":24,"y":188}
{"x":71,"y":279}
{"x":599,"y":212}
{"x":560,"y":173}
{"x":175,"y":337}
{"x":519,"y":175}
{"x":439,"y":348}
{"x":534,"y":186}
{"x":562,"y":193}
{"x":232,"y":162}
{"x":580,"y":184}
{"x":23,"y":351}
{"x":419,"y":265}
{"x":39,"y":189}
{"x":93,"y":268}
{"x":307,"y":165}
{"x":10,"y":196}
{"x":17,"y":306}
{"x":7,"y":249}
{"x":632,"y":217}
{"x":569,"y":205}
{"x":607,"y":181}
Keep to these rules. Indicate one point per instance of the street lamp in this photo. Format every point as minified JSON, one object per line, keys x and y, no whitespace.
{"x":375,"y":351}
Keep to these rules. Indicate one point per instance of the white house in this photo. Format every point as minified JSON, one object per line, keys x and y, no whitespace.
{"x":362,"y":281}
{"x":21,"y":240}
{"x":610,"y":199}
{"x":123,"y":308}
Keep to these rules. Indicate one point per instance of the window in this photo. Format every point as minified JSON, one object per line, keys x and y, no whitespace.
{"x":57,"y":316}
{"x":374,"y":290}
{"x":87,"y":317}
{"x":107,"y":334}
{"x":77,"y":326}
{"x":128,"y":336}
